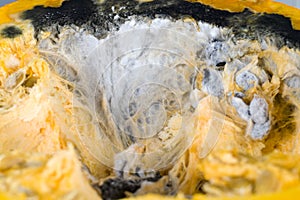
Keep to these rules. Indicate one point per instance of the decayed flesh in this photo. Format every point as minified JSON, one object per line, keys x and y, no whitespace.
{"x":182,"y":108}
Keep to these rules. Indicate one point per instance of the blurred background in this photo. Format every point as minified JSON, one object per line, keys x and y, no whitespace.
{"x":295,"y":3}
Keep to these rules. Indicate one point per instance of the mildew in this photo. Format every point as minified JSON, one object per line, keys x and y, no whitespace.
{"x":259,"y":110}
{"x":136,"y":86}
{"x":11,"y":31}
{"x":212,"y":82}
{"x":246,"y":80}
{"x":108,"y":16}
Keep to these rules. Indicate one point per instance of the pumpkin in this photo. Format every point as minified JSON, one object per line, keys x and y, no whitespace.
{"x":149,"y":99}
